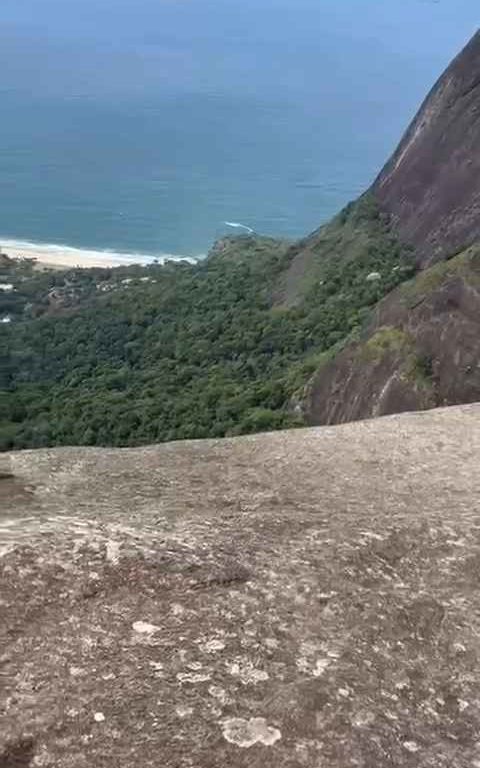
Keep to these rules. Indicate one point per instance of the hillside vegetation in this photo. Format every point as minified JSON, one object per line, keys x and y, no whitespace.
{"x":136,"y":355}
{"x":376,"y":312}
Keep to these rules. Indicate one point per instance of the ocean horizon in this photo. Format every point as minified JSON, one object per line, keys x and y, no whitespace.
{"x":138,"y":130}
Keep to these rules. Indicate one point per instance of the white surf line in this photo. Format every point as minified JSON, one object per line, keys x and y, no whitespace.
{"x":237,"y":225}
{"x":64,"y":255}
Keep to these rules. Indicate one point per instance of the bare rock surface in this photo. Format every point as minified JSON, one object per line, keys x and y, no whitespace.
{"x":309,"y":598}
{"x":430,"y":185}
{"x":419,"y":351}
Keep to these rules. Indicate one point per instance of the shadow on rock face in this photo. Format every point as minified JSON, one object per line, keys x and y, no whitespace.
{"x":19,"y":754}
{"x":13,"y":488}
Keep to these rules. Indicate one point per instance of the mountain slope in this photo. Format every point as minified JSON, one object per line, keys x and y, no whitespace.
{"x":420,"y":348}
{"x":431,"y":184}
{"x":266,"y":334}
{"x":301,"y":598}
{"x":138,"y":355}
{"x":429,"y":188}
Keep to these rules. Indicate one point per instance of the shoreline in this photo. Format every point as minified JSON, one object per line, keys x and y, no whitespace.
{"x":66,"y":257}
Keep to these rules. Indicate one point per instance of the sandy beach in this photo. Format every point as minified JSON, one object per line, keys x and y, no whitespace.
{"x":63,"y":257}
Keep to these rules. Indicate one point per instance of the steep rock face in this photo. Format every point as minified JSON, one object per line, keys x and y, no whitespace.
{"x":429,"y":191}
{"x":420,"y":350}
{"x":431,"y":185}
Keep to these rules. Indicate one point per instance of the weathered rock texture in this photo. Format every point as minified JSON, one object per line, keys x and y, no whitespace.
{"x":421,"y":350}
{"x":296,"y":599}
{"x":431,"y":184}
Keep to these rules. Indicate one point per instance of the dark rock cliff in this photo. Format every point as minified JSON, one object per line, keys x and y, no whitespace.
{"x":420,"y":351}
{"x":431,"y":185}
{"x":421,"y":348}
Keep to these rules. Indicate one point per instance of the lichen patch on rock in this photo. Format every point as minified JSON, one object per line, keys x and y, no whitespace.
{"x":246,"y":733}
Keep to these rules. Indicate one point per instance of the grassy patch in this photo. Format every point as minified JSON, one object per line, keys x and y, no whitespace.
{"x":413,"y":367}
{"x":387,"y":340}
{"x":465,"y":264}
{"x":419,"y":370}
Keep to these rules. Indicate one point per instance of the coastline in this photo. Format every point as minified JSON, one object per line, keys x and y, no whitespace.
{"x":66,"y":257}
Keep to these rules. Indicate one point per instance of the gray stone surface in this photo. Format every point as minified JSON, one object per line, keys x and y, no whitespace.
{"x":309,"y":598}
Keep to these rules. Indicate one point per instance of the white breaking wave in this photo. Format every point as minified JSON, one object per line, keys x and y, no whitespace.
{"x":65,"y":255}
{"x":237,"y":225}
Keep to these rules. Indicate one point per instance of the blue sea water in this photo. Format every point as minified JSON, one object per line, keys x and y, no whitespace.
{"x":143,"y":125}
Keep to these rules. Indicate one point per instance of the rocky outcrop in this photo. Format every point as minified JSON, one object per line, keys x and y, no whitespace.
{"x":420,"y":351}
{"x":5,"y":261}
{"x":288,"y":600}
{"x":431,"y":184}
{"x":421,"y":348}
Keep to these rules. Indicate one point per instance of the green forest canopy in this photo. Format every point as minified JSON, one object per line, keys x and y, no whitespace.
{"x":143,"y":354}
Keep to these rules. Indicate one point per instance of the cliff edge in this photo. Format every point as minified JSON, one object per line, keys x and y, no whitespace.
{"x":419,"y":348}
{"x":431,"y":185}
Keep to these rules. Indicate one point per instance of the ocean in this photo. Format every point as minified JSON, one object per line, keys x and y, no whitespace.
{"x":142,"y":126}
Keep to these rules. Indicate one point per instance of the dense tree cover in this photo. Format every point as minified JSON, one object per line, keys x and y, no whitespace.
{"x":138,"y":355}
